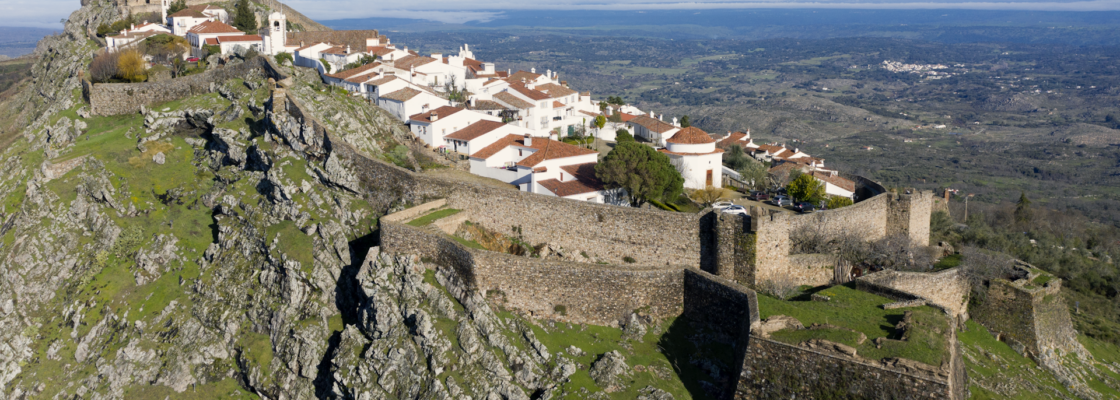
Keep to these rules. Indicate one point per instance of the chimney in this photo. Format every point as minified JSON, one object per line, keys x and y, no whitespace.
{"x":437,"y":56}
{"x":795,"y":150}
{"x":473,"y":104}
{"x":424,"y":108}
{"x":548,"y":73}
{"x":748,"y":133}
{"x":674,"y":121}
{"x":434,"y":116}
{"x":533,"y":70}
{"x":660,"y":117}
{"x":528,"y":140}
{"x":347,"y":49}
{"x":133,"y":27}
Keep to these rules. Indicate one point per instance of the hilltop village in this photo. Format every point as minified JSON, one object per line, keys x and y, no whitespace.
{"x":510,"y":125}
{"x":298,"y":213}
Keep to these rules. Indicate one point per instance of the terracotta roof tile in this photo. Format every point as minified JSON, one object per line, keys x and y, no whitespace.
{"x":734,"y":138}
{"x":691,"y":135}
{"x":585,"y":181}
{"x":213,"y":27}
{"x":502,"y":143}
{"x":442,"y":112}
{"x":512,"y":100}
{"x":355,"y":71}
{"x":407,"y":62}
{"x":487,"y":105}
{"x":527,"y":76}
{"x":836,"y":180}
{"x":552,"y":150}
{"x":555,"y":90}
{"x":557,"y":104}
{"x":382,"y":81}
{"x":378,"y":50}
{"x":240,"y":38}
{"x":530,"y":93}
{"x":356,"y":39}
{"x":475,"y":130}
{"x":652,"y":124}
{"x":405,"y":94}
{"x":690,"y":154}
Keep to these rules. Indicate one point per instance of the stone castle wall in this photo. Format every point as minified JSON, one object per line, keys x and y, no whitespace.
{"x":566,"y":291}
{"x":947,"y":289}
{"x":773,"y":369}
{"x":129,"y":98}
{"x":812,"y":269}
{"x":1035,"y":318}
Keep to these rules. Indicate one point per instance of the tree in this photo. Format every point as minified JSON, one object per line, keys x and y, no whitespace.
{"x":599,"y":122}
{"x":1023,"y":212}
{"x":103,"y":68}
{"x":177,"y":6}
{"x":623,"y":135}
{"x":685,"y":122}
{"x":326,"y":65}
{"x":246,"y":19}
{"x":643,"y":172}
{"x":130,"y":66}
{"x":754,"y":173}
{"x":835,"y":202}
{"x":806,"y":188}
{"x":708,"y":195}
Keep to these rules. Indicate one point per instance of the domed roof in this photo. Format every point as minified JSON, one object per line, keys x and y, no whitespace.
{"x":691,"y":135}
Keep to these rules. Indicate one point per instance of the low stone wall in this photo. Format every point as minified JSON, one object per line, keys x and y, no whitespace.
{"x":128,"y":98}
{"x":564,"y":291}
{"x":409,"y":214}
{"x":605,"y":232}
{"x":866,"y":219}
{"x":812,"y":269}
{"x":772,"y":369}
{"x":947,"y":289}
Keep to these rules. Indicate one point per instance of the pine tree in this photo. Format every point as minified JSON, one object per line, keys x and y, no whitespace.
{"x":1023,"y":212}
{"x":645,"y":173}
{"x":245,"y":20}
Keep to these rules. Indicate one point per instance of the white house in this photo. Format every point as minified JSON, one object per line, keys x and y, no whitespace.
{"x":199,"y":34}
{"x":409,"y":101}
{"x":478,"y":136}
{"x":434,"y":125}
{"x":229,"y":43}
{"x":355,"y":79}
{"x":695,"y":155}
{"x":182,"y":21}
{"x":533,"y":163}
{"x":741,"y":139}
{"x":834,"y":184}
{"x":340,"y":56}
{"x":135,"y":34}
{"x":652,"y":129}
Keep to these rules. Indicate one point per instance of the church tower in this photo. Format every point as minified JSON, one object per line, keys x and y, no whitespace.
{"x":163,"y":6}
{"x":277,"y":34}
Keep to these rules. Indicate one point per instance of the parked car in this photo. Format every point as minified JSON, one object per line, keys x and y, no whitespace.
{"x":192,"y":59}
{"x":804,"y":206}
{"x":734,"y":209}
{"x":719,"y":205}
{"x":759,"y":196}
{"x":781,"y":201}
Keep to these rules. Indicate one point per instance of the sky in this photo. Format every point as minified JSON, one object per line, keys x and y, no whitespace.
{"x":49,"y":13}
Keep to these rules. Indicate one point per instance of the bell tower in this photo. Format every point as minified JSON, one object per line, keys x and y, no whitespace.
{"x":277,"y":33}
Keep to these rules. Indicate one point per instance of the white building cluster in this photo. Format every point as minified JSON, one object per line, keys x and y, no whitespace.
{"x":783,"y":160}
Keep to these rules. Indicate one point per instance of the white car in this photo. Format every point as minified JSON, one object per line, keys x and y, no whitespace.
{"x":719,"y":205}
{"x":734,"y":209}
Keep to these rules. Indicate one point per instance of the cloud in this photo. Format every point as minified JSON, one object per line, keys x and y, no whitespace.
{"x":47,"y":13}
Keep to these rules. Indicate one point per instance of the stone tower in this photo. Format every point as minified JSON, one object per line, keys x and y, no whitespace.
{"x":163,"y":6}
{"x":277,"y":33}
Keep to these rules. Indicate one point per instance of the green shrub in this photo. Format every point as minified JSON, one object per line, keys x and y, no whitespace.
{"x":560,"y":309}
{"x":629,"y":260}
{"x":282,"y":57}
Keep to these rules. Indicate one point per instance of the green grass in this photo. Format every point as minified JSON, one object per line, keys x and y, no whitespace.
{"x":257,"y":348}
{"x":293,"y":242}
{"x":469,"y":243}
{"x":842,"y":336}
{"x":949,"y":261}
{"x":862,"y":312}
{"x":433,"y":216}
{"x":224,"y":389}
{"x":995,"y":364}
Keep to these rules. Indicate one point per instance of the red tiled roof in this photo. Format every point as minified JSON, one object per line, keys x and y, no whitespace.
{"x":475,"y":130}
{"x":378,"y":50}
{"x":527,"y":76}
{"x":355,"y":71}
{"x":512,"y":100}
{"x":214,"y":27}
{"x":552,"y":150}
{"x":382,"y":81}
{"x":441,"y":113}
{"x":674,"y":153}
{"x":652,"y":124}
{"x":734,"y":138}
{"x":530,"y":93}
{"x":626,"y":117}
{"x":405,"y":94}
{"x":690,"y":135}
{"x":555,"y":90}
{"x":585,"y":181}
{"x":836,"y":180}
{"x":557,"y":104}
{"x":240,"y":38}
{"x":487,"y":105}
{"x":308,"y":46}
{"x":340,"y":50}
{"x":212,"y":41}
{"x":407,"y":62}
{"x":502,"y":143}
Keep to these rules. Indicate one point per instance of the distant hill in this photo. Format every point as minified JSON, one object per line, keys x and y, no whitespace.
{"x":17,"y":41}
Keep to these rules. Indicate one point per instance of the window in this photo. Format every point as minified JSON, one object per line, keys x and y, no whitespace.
{"x":561,"y":177}
{"x":519,"y":152}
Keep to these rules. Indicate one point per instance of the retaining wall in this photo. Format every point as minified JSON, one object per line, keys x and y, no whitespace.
{"x":772,"y":369}
{"x":948,"y":289}
{"x":128,"y":98}
{"x":588,"y":293}
{"x":1034,"y":317}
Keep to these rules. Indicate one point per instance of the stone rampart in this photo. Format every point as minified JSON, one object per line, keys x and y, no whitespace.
{"x":812,"y":269}
{"x":608,"y":233}
{"x":565,"y":291}
{"x":128,"y":98}
{"x":909,"y":214}
{"x":866,"y":219}
{"x":946,"y":289}
{"x":773,"y":369}
{"x":1033,"y":319}
{"x":723,"y":308}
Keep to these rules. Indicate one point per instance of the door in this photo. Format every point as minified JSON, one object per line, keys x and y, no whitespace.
{"x":708,"y":181}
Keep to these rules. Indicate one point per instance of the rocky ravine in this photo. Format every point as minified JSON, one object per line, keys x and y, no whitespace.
{"x":188,"y":252}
